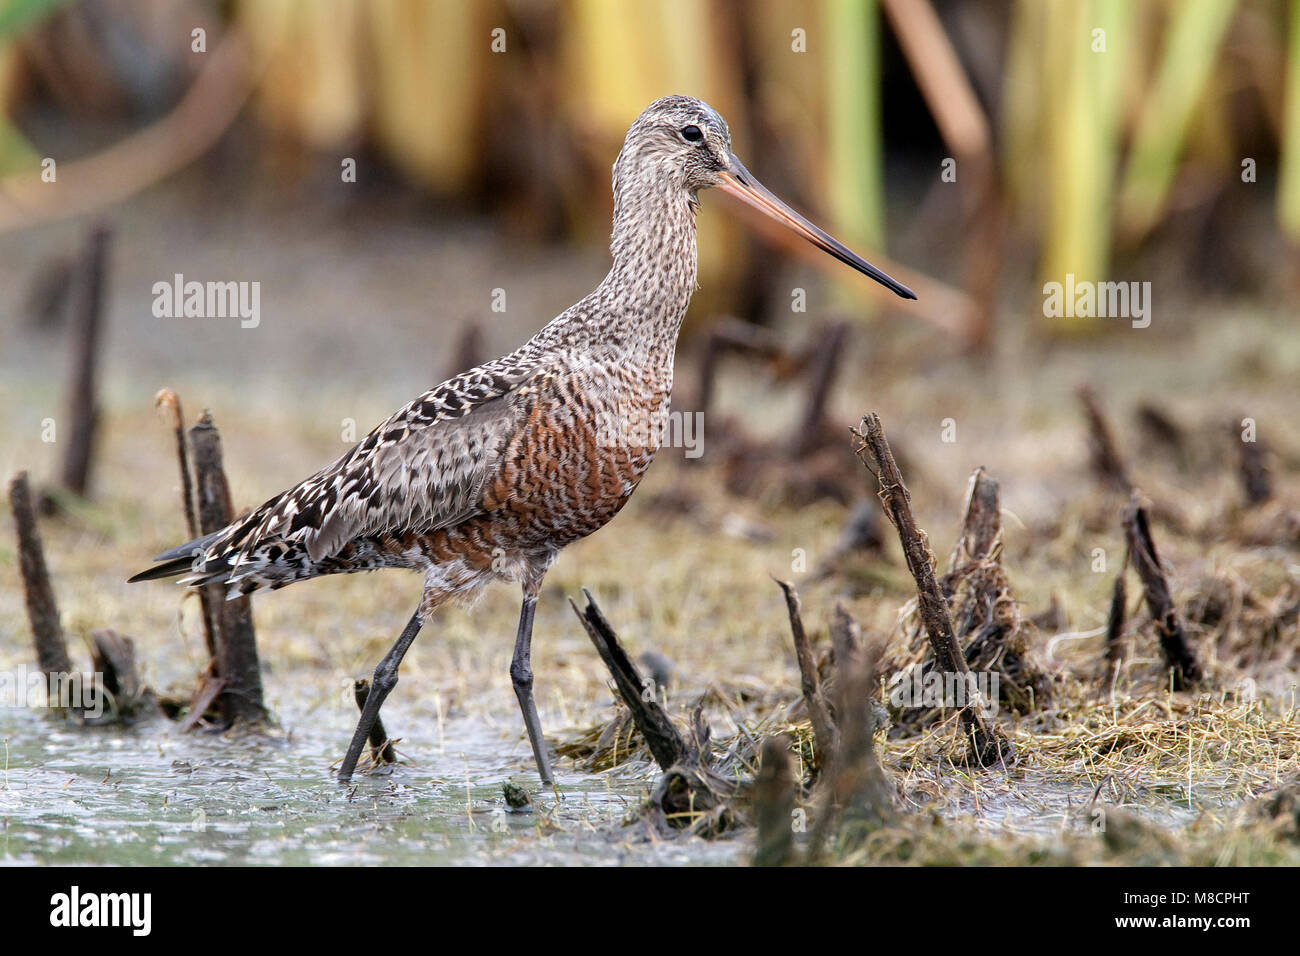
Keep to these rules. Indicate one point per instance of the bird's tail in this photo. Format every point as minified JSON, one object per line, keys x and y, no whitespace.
{"x":194,"y":558}
{"x":222,"y":557}
{"x":244,"y":562}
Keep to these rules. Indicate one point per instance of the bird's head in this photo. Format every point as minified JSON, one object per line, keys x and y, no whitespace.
{"x":677,"y":140}
{"x":684,"y":143}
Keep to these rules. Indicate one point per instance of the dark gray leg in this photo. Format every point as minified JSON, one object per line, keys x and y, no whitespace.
{"x":381,"y":685}
{"x":521,"y":674}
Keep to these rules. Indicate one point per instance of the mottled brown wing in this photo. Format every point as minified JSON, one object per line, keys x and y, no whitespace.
{"x":422,"y":469}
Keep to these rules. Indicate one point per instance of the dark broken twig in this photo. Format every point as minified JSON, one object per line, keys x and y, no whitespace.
{"x":855,"y":793}
{"x":981,"y":529}
{"x":236,"y":644}
{"x":1107,"y":462}
{"x":1142,"y":553}
{"x":688,"y":795}
{"x":983,"y":607}
{"x":83,"y":410}
{"x":1115,"y":650}
{"x":818,"y":711}
{"x":774,"y":803}
{"x":42,"y":609}
{"x":827,"y":355}
{"x":205,"y":696}
{"x":112,"y":654}
{"x":112,"y":657}
{"x":169,"y":400}
{"x":1256,"y":480}
{"x":988,"y":747}
{"x":665,"y":743}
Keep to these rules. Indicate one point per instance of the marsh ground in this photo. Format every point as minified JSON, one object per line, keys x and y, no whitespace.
{"x":360,"y":313}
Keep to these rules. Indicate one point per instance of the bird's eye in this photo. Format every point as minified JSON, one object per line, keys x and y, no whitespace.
{"x":692,"y":134}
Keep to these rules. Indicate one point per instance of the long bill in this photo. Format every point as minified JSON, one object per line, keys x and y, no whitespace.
{"x":739,"y":182}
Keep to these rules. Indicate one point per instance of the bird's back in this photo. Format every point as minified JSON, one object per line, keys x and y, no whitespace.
{"x":508,"y":461}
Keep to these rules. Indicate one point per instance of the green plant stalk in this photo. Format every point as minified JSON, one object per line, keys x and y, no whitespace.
{"x":17,"y":14}
{"x":853,"y":121}
{"x":1193,"y":35}
{"x":1086,"y":83}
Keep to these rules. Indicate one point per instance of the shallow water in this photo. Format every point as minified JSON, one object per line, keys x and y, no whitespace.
{"x":149,"y":794}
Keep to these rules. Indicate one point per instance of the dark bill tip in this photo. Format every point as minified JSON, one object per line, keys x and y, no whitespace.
{"x":738,"y":182}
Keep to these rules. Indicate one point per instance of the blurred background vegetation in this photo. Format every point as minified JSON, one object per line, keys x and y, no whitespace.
{"x":1112,"y":139}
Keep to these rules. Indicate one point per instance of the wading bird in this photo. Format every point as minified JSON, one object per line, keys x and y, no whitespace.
{"x":490,"y":474}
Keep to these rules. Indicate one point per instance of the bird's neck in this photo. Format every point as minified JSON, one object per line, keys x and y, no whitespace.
{"x":649,"y":285}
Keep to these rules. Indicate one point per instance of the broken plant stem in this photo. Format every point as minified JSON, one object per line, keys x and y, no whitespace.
{"x":988,"y":747}
{"x":818,"y":712}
